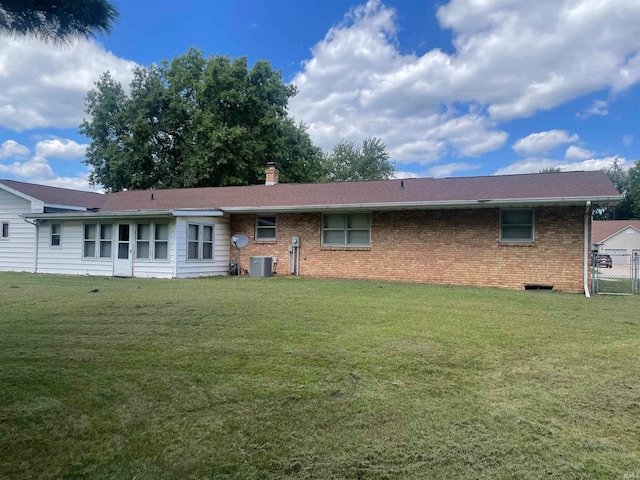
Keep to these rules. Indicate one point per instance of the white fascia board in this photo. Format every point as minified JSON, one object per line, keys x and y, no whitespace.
{"x":482,"y":203}
{"x":197,"y":213}
{"x":66,"y":207}
{"x":101,"y":215}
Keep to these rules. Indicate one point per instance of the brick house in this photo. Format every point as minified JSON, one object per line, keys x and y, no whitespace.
{"x":514,"y":231}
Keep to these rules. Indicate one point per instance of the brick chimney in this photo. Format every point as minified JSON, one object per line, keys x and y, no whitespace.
{"x":272,"y":174}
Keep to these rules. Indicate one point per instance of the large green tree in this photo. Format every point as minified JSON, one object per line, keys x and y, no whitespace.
{"x":348,"y":163}
{"x":195,"y":122}
{"x":628,"y":184}
{"x":56,"y":20}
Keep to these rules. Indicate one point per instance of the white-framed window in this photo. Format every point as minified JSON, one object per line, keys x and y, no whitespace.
{"x":346,"y":230}
{"x":97,"y":239}
{"x":193,"y":242}
{"x":199,"y":241}
{"x":56,"y":235}
{"x":161,"y":241}
{"x":207,"y":242}
{"x":143,"y":240}
{"x":4,"y":231}
{"x":265,"y":227}
{"x":152,"y":241}
{"x":517,"y":225}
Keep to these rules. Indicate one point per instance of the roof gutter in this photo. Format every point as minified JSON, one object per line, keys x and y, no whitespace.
{"x":482,"y":203}
{"x":124,"y":214}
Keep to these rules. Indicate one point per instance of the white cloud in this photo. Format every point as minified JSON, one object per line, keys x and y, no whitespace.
{"x":511,"y":59}
{"x":627,"y":140}
{"x":351,"y":64}
{"x":60,"y":148}
{"x":449,"y":168}
{"x":35,"y":168}
{"x":44,"y":85}
{"x":534,"y":165}
{"x":542,"y":142}
{"x":38,"y":170}
{"x":577,"y":153}
{"x":11,"y":148}
{"x":598,"y":107}
{"x":402,"y":174}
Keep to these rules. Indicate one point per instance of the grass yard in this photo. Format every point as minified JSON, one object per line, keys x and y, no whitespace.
{"x":245,"y":378}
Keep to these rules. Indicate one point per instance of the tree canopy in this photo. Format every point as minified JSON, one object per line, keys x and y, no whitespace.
{"x":56,"y":20}
{"x":348,"y":163}
{"x":628,"y":184}
{"x":196,"y":122}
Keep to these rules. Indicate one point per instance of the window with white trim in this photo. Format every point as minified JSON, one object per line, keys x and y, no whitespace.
{"x":193,"y":242}
{"x":517,"y":225}
{"x":152,"y":241}
{"x":97,"y":239}
{"x":207,"y":242}
{"x":199,"y":242}
{"x":143,"y":240}
{"x":265,"y":227}
{"x":4,"y":231}
{"x":346,"y":230}
{"x":56,"y":235}
{"x":161,"y":241}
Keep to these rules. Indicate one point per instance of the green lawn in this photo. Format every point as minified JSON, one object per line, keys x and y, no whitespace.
{"x":245,"y":378}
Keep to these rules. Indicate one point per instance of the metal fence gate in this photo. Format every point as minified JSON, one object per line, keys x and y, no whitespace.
{"x":620,"y":276}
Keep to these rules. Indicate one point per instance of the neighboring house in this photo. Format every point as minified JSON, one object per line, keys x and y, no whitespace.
{"x":619,"y":238}
{"x":513,"y":231}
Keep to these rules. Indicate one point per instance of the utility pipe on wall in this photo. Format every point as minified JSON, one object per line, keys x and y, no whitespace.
{"x":35,"y":255}
{"x":587,"y":248}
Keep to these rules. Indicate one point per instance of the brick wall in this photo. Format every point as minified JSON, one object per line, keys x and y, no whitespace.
{"x":457,"y":247}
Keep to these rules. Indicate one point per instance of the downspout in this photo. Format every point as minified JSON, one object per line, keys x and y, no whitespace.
{"x":587,"y":248}
{"x":35,"y":254}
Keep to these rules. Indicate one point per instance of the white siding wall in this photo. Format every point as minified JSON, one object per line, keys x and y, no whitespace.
{"x":201,"y":268}
{"x":17,"y":253}
{"x":157,"y":268}
{"x":67,"y":258}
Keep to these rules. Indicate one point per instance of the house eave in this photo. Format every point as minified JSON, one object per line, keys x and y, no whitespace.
{"x":433,"y":205}
{"x":124,"y":214}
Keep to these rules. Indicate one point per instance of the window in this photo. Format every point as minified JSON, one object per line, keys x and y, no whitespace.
{"x":193,"y":242}
{"x":516,"y":225}
{"x":5,"y":231}
{"x":346,"y":230}
{"x":104,"y":241}
{"x":56,"y":234}
{"x":89,"y":247}
{"x":265,"y":227}
{"x":161,"y":241}
{"x":158,"y":249}
{"x":207,"y":242}
{"x":200,"y":242}
{"x":143,"y":239}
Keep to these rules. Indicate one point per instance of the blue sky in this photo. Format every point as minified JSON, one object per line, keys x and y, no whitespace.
{"x":453,"y":87}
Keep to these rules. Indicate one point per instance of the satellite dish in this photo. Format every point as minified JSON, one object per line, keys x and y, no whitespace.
{"x":240,"y":241}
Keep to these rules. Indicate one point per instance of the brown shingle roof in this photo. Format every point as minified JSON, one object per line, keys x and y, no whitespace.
{"x":559,"y":188}
{"x":603,"y":229}
{"x":536,"y":187}
{"x":56,"y":195}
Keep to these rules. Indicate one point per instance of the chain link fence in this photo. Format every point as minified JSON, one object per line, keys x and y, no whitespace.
{"x":615,"y":274}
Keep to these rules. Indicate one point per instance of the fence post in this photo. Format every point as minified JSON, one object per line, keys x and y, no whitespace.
{"x":635,"y":267}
